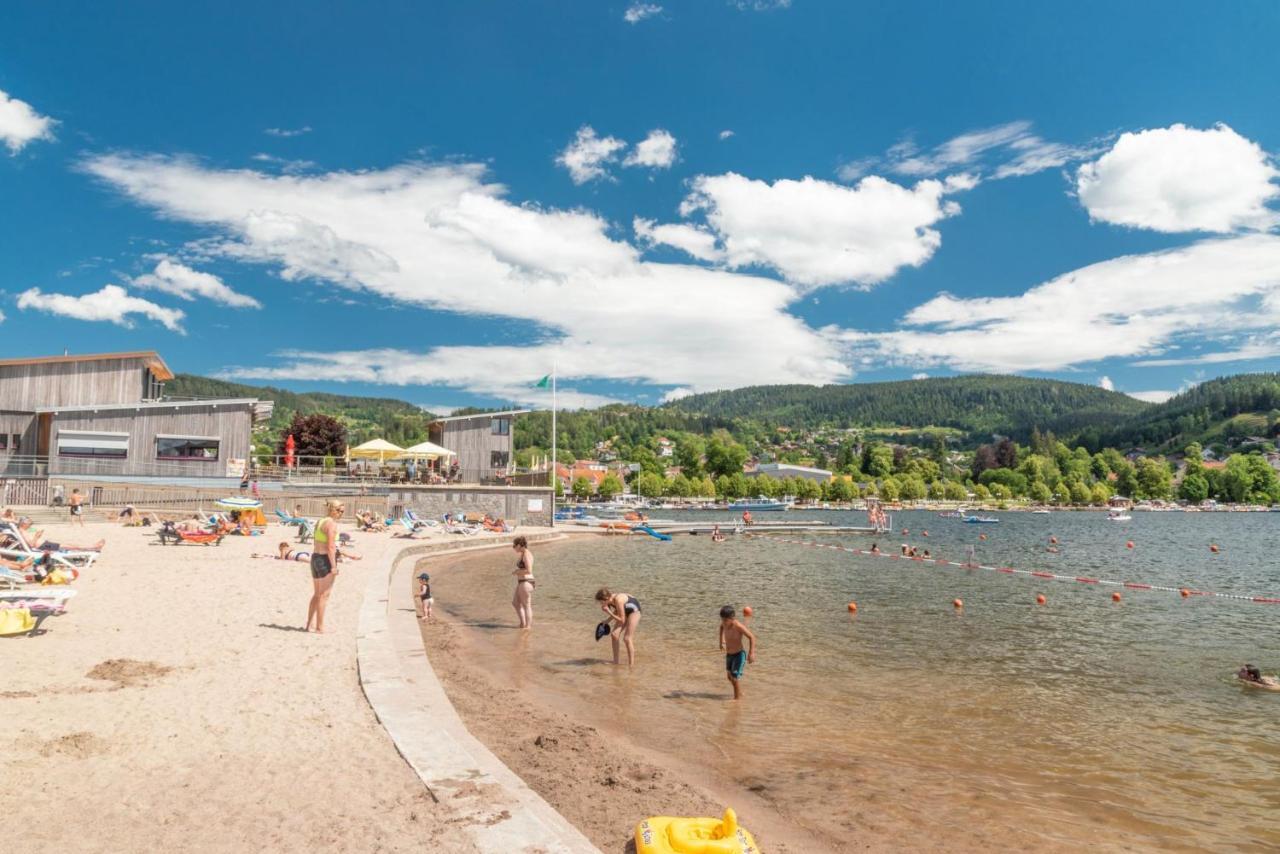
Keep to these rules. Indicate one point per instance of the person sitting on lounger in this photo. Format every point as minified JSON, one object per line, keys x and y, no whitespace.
{"x":36,"y":540}
{"x":370,"y":522}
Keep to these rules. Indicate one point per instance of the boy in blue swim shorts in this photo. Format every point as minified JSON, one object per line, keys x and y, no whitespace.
{"x":736,"y":658}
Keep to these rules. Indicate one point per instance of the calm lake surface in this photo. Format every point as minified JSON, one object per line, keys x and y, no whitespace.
{"x":1082,"y":721}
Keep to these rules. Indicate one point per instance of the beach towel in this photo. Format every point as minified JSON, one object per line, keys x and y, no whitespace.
{"x":57,"y":576}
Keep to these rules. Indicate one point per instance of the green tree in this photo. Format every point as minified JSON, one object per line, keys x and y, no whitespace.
{"x":649,"y":484}
{"x":724,"y":487}
{"x":1040,"y":493}
{"x":1126,"y":479}
{"x":841,"y":490}
{"x":767,"y":486}
{"x":725,"y":456}
{"x":610,"y":486}
{"x":1154,"y":478}
{"x":889,"y":489}
{"x":680,"y":486}
{"x":953,"y":491}
{"x":912,"y":488}
{"x":877,"y":460}
{"x":1100,"y":494}
{"x":689,"y":451}
{"x":1194,"y":487}
{"x":1080,"y":493}
{"x":581,"y":487}
{"x":981,"y":492}
{"x":1000,"y":491}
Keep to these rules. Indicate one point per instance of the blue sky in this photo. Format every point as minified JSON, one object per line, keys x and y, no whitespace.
{"x":439,"y":201}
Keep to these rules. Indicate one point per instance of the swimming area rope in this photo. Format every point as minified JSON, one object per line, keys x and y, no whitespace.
{"x":1008,"y":570}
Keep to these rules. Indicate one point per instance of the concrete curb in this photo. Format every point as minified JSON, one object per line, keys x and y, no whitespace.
{"x":496,"y":810}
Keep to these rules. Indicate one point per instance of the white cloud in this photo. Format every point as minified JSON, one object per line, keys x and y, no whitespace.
{"x":637,"y":12}
{"x":587,"y":155}
{"x":962,"y":150}
{"x":20,"y":124}
{"x":1181,"y":179}
{"x":1105,"y":382}
{"x":656,"y":151}
{"x":920,"y":376}
{"x":445,"y":238}
{"x":1132,"y":306}
{"x":1002,"y":151}
{"x":113,"y":303}
{"x":695,"y":241}
{"x":677,"y":394}
{"x":820,"y":233}
{"x":851,"y":170}
{"x":286,"y":164}
{"x":725,"y":134}
{"x":288,"y":132}
{"x":1152,"y":396}
{"x":759,"y":5}
{"x":185,"y":283}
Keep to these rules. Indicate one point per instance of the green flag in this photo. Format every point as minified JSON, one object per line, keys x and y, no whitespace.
{"x":545,"y":382}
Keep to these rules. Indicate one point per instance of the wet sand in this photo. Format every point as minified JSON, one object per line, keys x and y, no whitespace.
{"x":605,"y":779}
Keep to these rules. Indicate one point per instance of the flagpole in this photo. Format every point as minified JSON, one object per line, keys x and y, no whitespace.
{"x":555,"y":474}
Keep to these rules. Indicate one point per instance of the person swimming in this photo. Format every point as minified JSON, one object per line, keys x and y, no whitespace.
{"x":1253,"y":677}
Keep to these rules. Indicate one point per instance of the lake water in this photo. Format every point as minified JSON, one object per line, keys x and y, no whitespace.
{"x":1082,"y":721}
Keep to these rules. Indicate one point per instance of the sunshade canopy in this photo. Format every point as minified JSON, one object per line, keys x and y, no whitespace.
{"x":235,"y":503}
{"x":375,"y":449}
{"x":426,"y":451}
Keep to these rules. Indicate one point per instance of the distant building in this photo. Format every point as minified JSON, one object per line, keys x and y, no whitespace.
{"x":666,"y":448}
{"x":483,"y":443}
{"x":781,"y":471}
{"x":107,"y":415}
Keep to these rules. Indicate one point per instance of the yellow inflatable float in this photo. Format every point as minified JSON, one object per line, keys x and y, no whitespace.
{"x":665,"y":835}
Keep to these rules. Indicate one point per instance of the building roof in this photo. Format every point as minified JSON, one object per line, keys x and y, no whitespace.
{"x":481,"y":415}
{"x":767,"y":467}
{"x":261,"y":408}
{"x":151,"y":357}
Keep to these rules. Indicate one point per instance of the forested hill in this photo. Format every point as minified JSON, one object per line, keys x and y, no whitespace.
{"x":978,"y":405}
{"x":1219,"y":410}
{"x":366,"y":417}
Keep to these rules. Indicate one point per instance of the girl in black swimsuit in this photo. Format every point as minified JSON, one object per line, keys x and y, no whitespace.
{"x":624,"y":611}
{"x":522,"y":601}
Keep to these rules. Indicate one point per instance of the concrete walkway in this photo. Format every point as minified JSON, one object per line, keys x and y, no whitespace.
{"x":496,"y":810}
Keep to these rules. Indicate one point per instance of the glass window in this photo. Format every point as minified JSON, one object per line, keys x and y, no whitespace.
{"x":501,"y":426}
{"x":16,"y":444}
{"x":184,"y":448}
{"x":498,"y":459}
{"x":4,"y":441}
{"x":76,"y":443}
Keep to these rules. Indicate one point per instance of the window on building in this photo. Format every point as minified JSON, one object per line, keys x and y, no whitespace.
{"x":501,"y":426}
{"x":4,"y":441}
{"x":187,"y":447}
{"x":498,"y":459}
{"x":85,"y":443}
{"x":16,"y":444}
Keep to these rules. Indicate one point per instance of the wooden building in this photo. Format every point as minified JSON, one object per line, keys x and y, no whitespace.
{"x":106,"y":414}
{"x":483,"y":443}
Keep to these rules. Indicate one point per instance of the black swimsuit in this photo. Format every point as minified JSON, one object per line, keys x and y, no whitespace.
{"x":633,"y":605}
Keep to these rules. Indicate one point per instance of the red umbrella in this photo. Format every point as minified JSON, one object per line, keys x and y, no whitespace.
{"x":289,"y":445}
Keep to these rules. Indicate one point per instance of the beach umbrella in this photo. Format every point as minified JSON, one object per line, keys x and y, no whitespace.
{"x":238,"y":503}
{"x":375,"y":449}
{"x":289,"y":446}
{"x":426,"y":451}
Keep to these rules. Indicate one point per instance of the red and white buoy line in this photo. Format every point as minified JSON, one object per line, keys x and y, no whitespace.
{"x":1008,"y":570}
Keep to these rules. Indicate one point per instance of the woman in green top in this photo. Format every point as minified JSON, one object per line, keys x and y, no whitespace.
{"x":324,"y":562}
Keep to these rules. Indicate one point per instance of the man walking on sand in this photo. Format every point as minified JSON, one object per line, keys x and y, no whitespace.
{"x":76,"y":506}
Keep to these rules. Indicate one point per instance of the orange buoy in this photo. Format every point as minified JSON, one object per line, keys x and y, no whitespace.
{"x":1040,"y":600}
{"x":1213,"y":548}
{"x":1053,"y":540}
{"x":905,"y":531}
{"x":1129,"y":544}
{"x":924,"y":533}
{"x":958,"y":603}
{"x":746,"y":611}
{"x":1115,"y":597}
{"x":853,"y":606}
{"x":982,"y":536}
{"x":1185,"y":592}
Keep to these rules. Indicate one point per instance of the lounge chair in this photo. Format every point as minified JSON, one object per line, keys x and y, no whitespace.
{"x":169,"y":531}
{"x":17,"y":548}
{"x":418,"y":521}
{"x":410,"y":529}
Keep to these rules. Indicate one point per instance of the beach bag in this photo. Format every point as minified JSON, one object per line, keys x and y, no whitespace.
{"x":16,"y":621}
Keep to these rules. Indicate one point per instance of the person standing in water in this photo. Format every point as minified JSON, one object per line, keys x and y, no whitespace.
{"x":735,"y":657}
{"x":624,"y":610}
{"x":324,"y":563}
{"x":522,"y":601}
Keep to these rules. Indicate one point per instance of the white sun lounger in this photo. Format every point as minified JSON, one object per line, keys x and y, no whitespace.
{"x":35,"y":591}
{"x":19,"y":549}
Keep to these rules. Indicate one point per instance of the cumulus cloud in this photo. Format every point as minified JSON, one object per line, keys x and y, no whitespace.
{"x":443,"y":237}
{"x":20,"y":124}
{"x":185,"y":283}
{"x":820,"y":233}
{"x":588,"y":155}
{"x":1105,"y":382}
{"x":656,"y":151}
{"x":637,"y":12}
{"x":288,"y":132}
{"x":920,"y":376}
{"x":1152,"y":396}
{"x":677,"y":394}
{"x":690,"y":239}
{"x":112,"y":304}
{"x":1181,"y":179}
{"x":725,"y":134}
{"x":1132,"y":306}
{"x":759,"y":5}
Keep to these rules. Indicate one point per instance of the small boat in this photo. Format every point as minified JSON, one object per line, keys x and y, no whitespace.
{"x":756,"y":504}
{"x":951,"y":514}
{"x":1115,"y":514}
{"x":1041,"y":511}
{"x":980,"y":520}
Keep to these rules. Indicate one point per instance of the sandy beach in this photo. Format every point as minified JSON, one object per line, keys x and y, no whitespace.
{"x":179,"y":706}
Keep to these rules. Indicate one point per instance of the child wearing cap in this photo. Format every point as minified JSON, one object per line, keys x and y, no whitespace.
{"x":424,"y":596}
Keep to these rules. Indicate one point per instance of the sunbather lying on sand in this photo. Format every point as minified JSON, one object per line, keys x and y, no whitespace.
{"x":286,"y":552}
{"x":35,"y":540}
